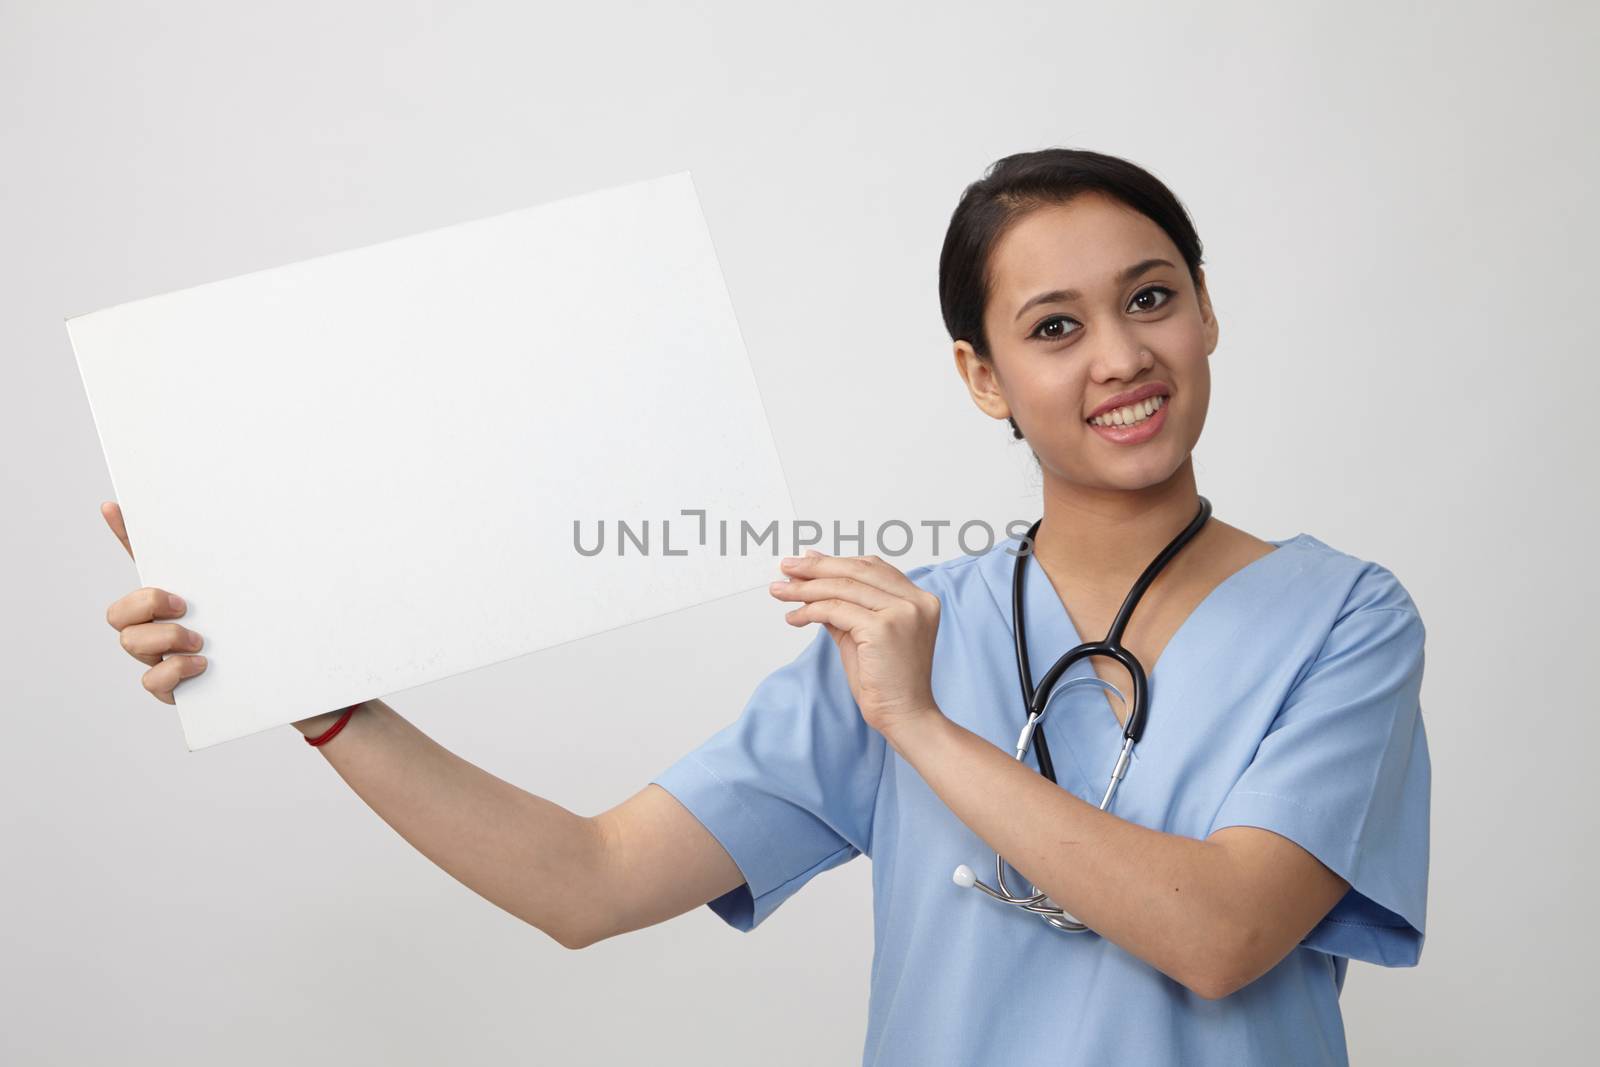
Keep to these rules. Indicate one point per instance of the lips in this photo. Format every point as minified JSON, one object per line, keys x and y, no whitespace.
{"x":1136,"y":433}
{"x":1133,"y":396}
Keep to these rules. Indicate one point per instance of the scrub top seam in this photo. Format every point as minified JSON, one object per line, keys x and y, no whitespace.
{"x":750,"y":813}
{"x":1373,"y":926}
{"x":1279,"y":796}
{"x":848,"y":848}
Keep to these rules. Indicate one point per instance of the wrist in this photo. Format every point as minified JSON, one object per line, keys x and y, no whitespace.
{"x":912,"y":732}
{"x":317,"y":725}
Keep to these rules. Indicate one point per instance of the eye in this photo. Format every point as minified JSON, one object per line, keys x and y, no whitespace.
{"x":1047,"y":331}
{"x":1152,"y":291}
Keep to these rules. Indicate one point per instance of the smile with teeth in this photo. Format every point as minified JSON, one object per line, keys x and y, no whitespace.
{"x":1130,"y":415}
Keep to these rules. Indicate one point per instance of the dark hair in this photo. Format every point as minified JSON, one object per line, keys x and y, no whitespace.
{"x":1018,"y":184}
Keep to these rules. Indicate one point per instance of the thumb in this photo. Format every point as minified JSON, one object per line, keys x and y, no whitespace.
{"x":112,"y":511}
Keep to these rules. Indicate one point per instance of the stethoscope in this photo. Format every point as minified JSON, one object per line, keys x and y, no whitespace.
{"x":1035,"y":701}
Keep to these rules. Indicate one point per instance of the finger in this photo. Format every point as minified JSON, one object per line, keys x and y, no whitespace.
{"x":143,"y":605}
{"x":164,"y":677}
{"x":870,"y":570}
{"x":113,"y":516}
{"x":148,"y":642}
{"x":809,"y":589}
{"x":846,"y":646}
{"x":851,"y":618}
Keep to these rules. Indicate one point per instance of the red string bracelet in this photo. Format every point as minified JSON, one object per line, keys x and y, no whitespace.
{"x":328,"y":735}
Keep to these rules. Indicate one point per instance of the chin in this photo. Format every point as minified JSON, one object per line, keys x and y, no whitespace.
{"x":1136,"y":472}
{"x":1134,"y":484}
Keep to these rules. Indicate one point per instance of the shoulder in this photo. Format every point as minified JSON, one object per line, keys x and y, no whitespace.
{"x":971,"y":582}
{"x":1363,"y":599}
{"x":964,"y":567}
{"x":1371,"y":585}
{"x":945,"y":571}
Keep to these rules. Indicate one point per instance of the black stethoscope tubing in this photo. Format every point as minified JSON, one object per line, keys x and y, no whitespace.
{"x":1035,"y":699}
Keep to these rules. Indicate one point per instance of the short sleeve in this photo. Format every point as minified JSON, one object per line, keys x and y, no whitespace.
{"x":789,"y":787}
{"x":1343,"y":771}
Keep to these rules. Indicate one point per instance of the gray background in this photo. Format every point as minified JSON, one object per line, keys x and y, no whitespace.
{"x":1396,"y":205}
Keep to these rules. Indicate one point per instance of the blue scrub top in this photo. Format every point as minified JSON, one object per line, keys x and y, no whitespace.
{"x":1289,"y":700}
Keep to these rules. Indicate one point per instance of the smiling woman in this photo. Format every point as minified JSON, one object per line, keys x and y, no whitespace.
{"x":1272,"y":823}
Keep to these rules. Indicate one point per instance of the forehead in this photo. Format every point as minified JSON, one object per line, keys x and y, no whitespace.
{"x":1078,"y":245}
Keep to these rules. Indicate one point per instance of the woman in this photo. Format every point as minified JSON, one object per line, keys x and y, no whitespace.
{"x":1273,"y":820}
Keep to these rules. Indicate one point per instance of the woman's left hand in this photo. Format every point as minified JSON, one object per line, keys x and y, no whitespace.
{"x":883,"y":623}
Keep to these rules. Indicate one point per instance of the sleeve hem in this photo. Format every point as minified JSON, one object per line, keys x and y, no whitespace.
{"x":752,"y":844}
{"x":1371,"y":922}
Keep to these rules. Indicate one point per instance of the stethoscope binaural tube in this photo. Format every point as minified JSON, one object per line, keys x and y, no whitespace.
{"x":1037,"y":699}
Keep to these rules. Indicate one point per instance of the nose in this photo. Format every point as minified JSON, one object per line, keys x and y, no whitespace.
{"x":1120,"y":356}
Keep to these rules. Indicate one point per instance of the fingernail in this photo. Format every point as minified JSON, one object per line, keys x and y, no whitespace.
{"x":175,"y":601}
{"x":200,"y":662}
{"x":789,"y":561}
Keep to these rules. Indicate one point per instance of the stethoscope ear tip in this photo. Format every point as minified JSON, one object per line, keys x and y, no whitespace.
{"x":964,"y":877}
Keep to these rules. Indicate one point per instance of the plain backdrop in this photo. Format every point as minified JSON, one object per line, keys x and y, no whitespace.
{"x":1400,"y":240}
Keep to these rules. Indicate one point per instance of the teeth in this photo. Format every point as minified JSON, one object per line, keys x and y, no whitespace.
{"x":1133,"y":413}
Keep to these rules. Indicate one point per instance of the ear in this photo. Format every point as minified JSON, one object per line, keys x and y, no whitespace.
{"x":1207,"y":315}
{"x":983,"y":381}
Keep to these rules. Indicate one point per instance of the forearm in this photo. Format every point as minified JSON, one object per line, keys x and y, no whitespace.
{"x":1168,"y":899}
{"x":531,"y":857}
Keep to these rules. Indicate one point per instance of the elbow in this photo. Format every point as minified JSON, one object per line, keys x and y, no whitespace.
{"x":571,"y":928}
{"x":1229,"y":963}
{"x":584,"y":928}
{"x":1218,"y":975}
{"x":572,"y":943}
{"x":579,"y":919}
{"x":1213,"y":985}
{"x":574,"y":939}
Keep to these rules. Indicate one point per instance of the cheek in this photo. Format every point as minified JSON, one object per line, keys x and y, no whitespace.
{"x":1182,"y":349}
{"x":1181,"y":338}
{"x":1050,"y":387}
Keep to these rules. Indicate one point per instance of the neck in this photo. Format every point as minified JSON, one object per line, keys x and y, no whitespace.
{"x":1106,"y":537}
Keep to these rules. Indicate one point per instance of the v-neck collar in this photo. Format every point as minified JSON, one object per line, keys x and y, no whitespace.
{"x":1051,"y":631}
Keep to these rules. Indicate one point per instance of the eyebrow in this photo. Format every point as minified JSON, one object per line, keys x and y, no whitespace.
{"x":1124,"y":276}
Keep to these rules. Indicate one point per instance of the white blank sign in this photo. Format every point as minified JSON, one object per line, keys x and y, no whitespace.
{"x":363,"y":471}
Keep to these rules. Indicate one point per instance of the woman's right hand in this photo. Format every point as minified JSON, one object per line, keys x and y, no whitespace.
{"x":140,"y":618}
{"x":137,"y":617}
